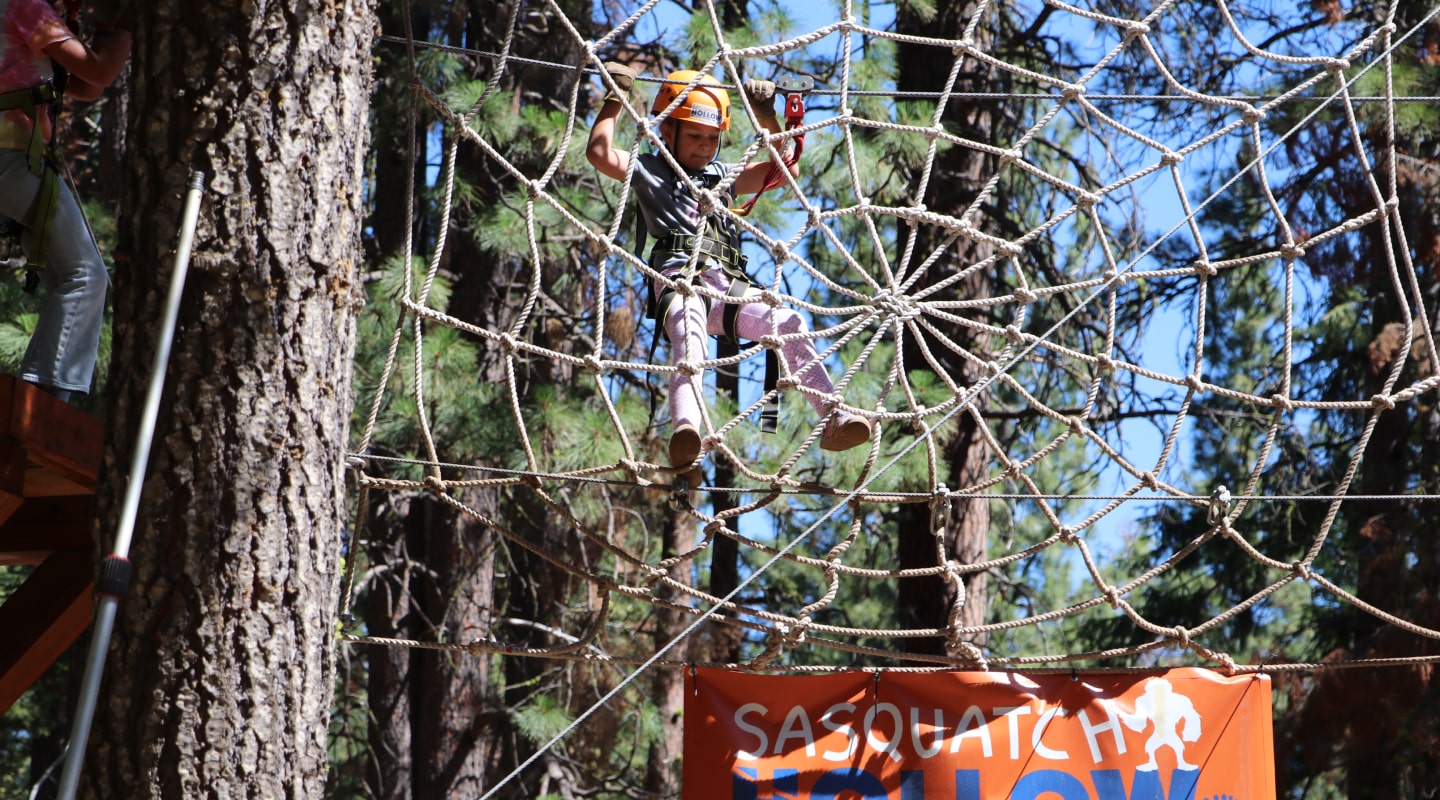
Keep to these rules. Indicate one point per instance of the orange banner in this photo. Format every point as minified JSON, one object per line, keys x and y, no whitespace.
{"x":1183,"y":734}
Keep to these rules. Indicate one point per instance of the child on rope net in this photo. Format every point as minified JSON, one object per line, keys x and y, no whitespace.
{"x":672,"y":216}
{"x":41,"y":59}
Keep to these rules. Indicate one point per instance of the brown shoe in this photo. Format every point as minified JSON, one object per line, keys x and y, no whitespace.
{"x":684,"y":446}
{"x":844,"y":431}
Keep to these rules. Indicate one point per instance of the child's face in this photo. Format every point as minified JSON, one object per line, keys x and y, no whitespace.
{"x":696,"y":145}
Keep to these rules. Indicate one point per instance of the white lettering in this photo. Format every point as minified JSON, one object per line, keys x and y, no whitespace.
{"x":980,"y":732}
{"x":1040,"y":748}
{"x":797,"y":726}
{"x":939,"y":729}
{"x":1011,"y":713}
{"x":1111,"y":724}
{"x":749,"y":708}
{"x":891,"y":747}
{"x":852,"y":738}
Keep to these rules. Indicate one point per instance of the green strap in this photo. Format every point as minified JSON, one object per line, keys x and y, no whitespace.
{"x":40,"y":218}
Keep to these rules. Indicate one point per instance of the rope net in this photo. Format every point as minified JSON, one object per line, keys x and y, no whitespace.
{"x":1075,"y":353}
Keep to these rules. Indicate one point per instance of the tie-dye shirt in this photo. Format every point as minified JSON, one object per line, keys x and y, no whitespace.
{"x":30,"y":27}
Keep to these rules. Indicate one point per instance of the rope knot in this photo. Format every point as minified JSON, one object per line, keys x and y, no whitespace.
{"x":787,"y":383}
{"x":1135,"y":29}
{"x":1088,"y":200}
{"x":1072,"y":91}
{"x":435,"y":484}
{"x":1077,"y":425}
{"x":1009,"y":157}
{"x":1193,"y":381}
{"x":1024,"y":295}
{"x":1181,"y":635}
{"x":507,"y":343}
{"x":1226,"y":663}
{"x":593,"y":363}
{"x":1170,"y":158}
{"x":1302,"y":571}
{"x":1104,"y":363}
{"x":896,"y":305}
{"x":1069,"y":534}
{"x":688,"y":367}
{"x":796,"y":637}
{"x":1253,"y":115}
{"x":1382,"y":402}
{"x":1291,"y":251}
{"x":708,"y":203}
{"x":1282,"y":402}
{"x":1112,"y":596}
{"x":771,"y":342}
{"x":770,"y":298}
{"x":1337,"y":65}
{"x":1012,"y":332}
{"x":1149,"y":480}
{"x":788,"y":636}
{"x":1205,"y":268}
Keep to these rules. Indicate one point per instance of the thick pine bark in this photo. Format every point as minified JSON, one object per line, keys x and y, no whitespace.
{"x":959,"y":172}
{"x":221,"y":669}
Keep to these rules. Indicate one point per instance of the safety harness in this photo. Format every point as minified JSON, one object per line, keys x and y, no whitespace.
{"x":40,"y":158}
{"x":718,"y":246}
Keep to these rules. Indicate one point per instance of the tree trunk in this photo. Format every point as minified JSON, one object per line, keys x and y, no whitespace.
{"x":221,"y":670}
{"x":667,"y":686}
{"x":958,"y":175}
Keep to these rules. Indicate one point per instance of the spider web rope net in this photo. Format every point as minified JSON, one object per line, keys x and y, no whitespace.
{"x":880,"y":277}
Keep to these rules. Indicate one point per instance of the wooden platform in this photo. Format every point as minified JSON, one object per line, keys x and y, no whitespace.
{"x":49,"y":459}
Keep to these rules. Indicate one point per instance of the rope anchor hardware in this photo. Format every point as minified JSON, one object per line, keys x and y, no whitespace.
{"x":794,"y":88}
{"x":1219,"y":504}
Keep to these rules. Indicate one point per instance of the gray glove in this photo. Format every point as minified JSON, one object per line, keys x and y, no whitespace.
{"x":624,"y":78}
{"x":761,"y":95}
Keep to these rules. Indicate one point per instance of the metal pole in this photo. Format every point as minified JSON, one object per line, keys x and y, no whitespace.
{"x":114,"y":577}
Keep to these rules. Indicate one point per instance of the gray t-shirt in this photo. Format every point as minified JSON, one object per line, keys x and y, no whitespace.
{"x":666,"y":203}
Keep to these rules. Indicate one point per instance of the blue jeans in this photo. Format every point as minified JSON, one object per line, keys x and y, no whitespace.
{"x":66,"y":342}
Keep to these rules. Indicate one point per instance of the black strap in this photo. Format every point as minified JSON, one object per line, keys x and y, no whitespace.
{"x":727,"y":256}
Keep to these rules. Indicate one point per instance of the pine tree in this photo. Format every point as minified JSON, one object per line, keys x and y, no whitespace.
{"x":219,"y":681}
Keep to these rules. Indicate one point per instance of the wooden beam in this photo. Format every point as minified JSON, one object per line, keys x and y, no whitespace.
{"x":59,"y":437}
{"x":46,"y":525}
{"x":42,"y":618}
{"x":14,"y":466}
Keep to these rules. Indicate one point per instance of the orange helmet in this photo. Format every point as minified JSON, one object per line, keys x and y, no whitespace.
{"x":707,"y":104}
